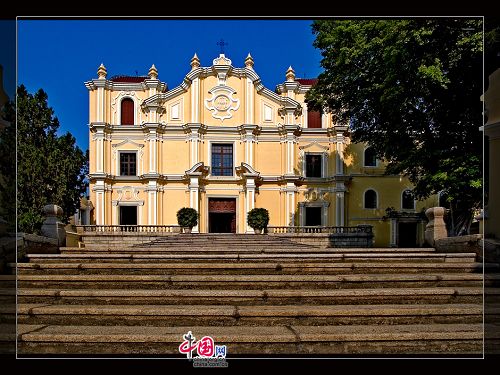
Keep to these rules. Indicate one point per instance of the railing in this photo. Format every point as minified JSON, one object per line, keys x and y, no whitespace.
{"x":130,"y":228}
{"x":319,"y":229}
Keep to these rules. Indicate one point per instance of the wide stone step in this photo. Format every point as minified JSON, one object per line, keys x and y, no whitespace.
{"x":250,"y":268}
{"x":269,"y":255}
{"x":224,"y":315}
{"x":8,"y":313}
{"x":492,"y":312}
{"x":447,"y":339}
{"x":7,"y":296}
{"x":8,"y":281}
{"x":8,"y":338}
{"x":195,"y":249}
{"x":256,"y":281}
{"x":254,"y":297}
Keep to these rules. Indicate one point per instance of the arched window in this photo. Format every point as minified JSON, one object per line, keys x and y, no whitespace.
{"x":313,"y":118}
{"x":127,"y":112}
{"x":407,"y":200}
{"x":370,"y":157}
{"x":370,"y":199}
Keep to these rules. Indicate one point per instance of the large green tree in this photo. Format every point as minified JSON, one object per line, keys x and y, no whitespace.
{"x":51,"y":169}
{"x":410,"y":88}
{"x":8,"y":166}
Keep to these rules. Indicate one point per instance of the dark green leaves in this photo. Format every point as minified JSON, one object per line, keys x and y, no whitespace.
{"x":51,"y":168}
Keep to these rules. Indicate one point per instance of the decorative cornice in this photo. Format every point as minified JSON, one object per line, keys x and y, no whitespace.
{"x":194,"y":128}
{"x":125,"y":86}
{"x":247,"y":129}
{"x":100,"y":126}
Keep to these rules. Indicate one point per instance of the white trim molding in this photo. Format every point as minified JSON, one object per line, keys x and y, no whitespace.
{"x":209,"y":157}
{"x":116,"y":107}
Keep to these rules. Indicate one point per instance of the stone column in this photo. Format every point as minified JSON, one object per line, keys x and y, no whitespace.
{"x":152,"y":203}
{"x":99,"y":189}
{"x":249,"y":199}
{"x":100,"y":83}
{"x":339,"y":205}
{"x":99,"y":137}
{"x":436,"y":228}
{"x":290,"y":191}
{"x":248,"y":135}
{"x":291,"y":139}
{"x":394,"y":233}
{"x":249,"y":93}
{"x":194,"y":195}
{"x":153,"y":150}
{"x":339,"y":172}
{"x":194,"y":137}
{"x":195,"y":101}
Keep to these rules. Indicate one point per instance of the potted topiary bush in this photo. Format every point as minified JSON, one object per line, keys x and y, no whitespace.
{"x":187,"y":218}
{"x":258,"y":218}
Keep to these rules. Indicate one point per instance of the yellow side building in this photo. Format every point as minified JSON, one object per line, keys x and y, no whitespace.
{"x":222,"y":143}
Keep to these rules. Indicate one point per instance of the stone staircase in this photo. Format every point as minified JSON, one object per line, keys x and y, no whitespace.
{"x":259,"y":295}
{"x":7,"y":314}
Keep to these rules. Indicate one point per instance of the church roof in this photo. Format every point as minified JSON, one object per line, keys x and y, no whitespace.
{"x":307,"y":81}
{"x":129,"y":79}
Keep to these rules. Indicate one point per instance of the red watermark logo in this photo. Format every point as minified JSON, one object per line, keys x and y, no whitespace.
{"x":205,"y":349}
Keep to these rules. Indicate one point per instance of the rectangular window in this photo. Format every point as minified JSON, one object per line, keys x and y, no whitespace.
{"x":222,"y":159}
{"x":128,"y":164}
{"x":313,"y":165}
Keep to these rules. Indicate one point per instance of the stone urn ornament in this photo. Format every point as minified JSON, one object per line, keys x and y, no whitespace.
{"x":52,"y":227}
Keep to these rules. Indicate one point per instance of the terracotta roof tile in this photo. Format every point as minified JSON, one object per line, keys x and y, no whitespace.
{"x":128,"y":79}
{"x":307,"y":81}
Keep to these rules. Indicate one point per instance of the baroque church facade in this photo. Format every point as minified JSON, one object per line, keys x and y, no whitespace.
{"x":223,"y":143}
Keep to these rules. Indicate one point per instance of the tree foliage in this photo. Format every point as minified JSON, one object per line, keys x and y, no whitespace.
{"x":8,"y":166}
{"x":51,"y":168}
{"x":411,"y":89}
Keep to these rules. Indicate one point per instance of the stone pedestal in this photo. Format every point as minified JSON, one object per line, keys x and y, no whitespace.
{"x":436,"y":228}
{"x":52,"y":227}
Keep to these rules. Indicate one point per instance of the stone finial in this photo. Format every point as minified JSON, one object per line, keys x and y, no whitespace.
{"x":102,"y":72}
{"x":436,"y":227}
{"x":249,"y":61}
{"x":195,"y":62}
{"x":290,"y":74}
{"x":153,"y":72}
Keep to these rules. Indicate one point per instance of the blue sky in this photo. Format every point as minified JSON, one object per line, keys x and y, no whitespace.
{"x":60,"y":55}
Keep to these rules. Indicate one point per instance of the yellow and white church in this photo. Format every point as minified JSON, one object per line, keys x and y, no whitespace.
{"x":223,"y":143}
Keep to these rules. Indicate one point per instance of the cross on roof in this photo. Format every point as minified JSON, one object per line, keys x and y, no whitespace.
{"x":221,"y":44}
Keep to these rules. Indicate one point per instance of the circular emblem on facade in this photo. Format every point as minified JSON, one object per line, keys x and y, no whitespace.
{"x":222,"y":103}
